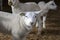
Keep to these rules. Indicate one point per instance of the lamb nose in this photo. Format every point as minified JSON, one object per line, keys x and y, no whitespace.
{"x":32,"y":23}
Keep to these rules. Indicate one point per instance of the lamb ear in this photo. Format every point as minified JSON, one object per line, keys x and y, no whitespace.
{"x":37,"y":12}
{"x":22,"y":14}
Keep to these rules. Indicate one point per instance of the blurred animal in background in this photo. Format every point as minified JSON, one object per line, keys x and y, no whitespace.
{"x":23,"y":7}
{"x":46,"y":7}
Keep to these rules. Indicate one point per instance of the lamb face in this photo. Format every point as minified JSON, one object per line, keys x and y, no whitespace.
{"x":30,"y":18}
{"x":52,"y":5}
{"x":47,"y":6}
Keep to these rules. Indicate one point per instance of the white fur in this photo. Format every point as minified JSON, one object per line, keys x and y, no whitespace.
{"x":23,"y":7}
{"x":19,"y":25}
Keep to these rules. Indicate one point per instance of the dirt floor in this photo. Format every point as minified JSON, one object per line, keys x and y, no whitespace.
{"x":46,"y":35}
{"x":52,"y":31}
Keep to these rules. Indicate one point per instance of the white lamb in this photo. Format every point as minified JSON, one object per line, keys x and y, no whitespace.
{"x":23,"y":7}
{"x":41,"y":19}
{"x":46,"y":6}
{"x":19,"y":24}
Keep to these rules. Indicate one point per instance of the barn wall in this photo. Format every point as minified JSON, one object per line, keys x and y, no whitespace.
{"x":0,"y":4}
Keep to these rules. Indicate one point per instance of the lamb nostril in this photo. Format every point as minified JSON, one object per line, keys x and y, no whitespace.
{"x":32,"y":23}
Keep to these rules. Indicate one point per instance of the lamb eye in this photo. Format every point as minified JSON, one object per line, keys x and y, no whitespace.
{"x":25,"y":16}
{"x":52,"y":4}
{"x":22,"y":14}
{"x":35,"y":16}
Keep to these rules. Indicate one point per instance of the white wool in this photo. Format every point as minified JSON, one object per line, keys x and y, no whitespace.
{"x":41,"y":4}
{"x":7,"y":19}
{"x":24,"y":7}
{"x":16,"y":24}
